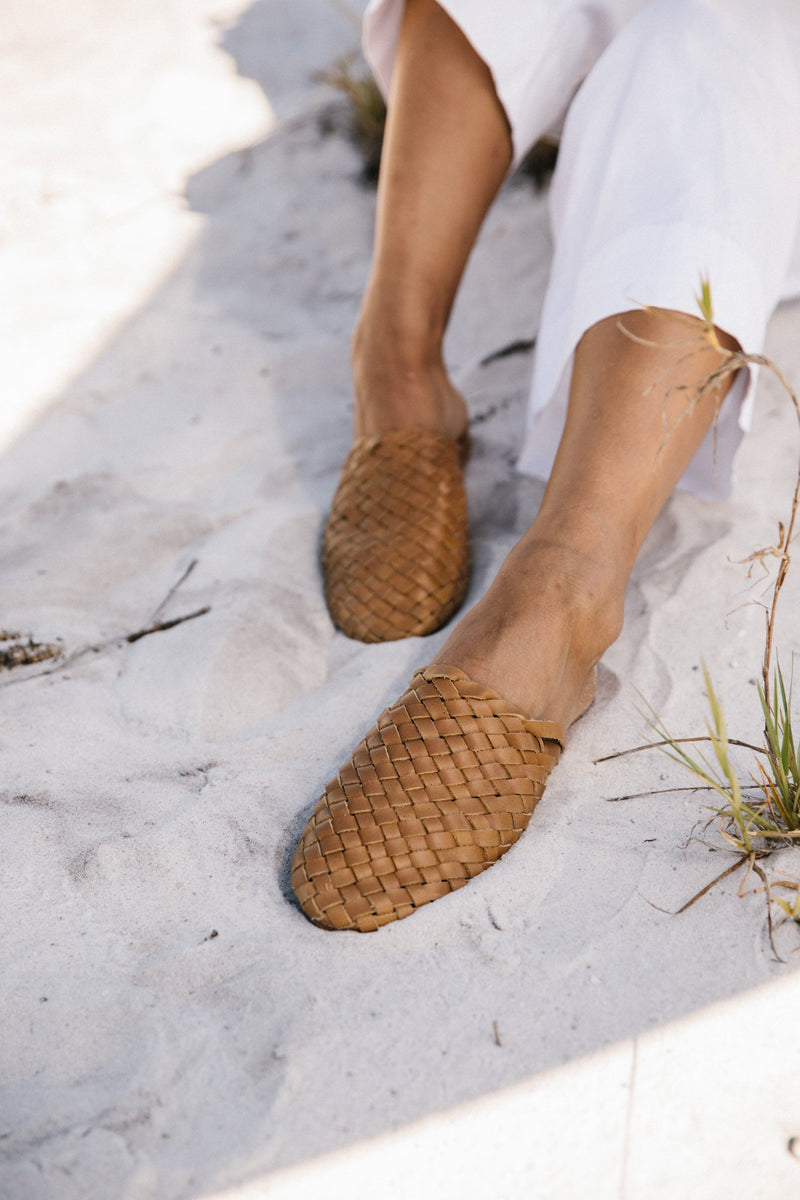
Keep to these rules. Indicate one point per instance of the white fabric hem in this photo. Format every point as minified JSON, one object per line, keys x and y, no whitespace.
{"x":653,"y":279}
{"x":534,"y":88}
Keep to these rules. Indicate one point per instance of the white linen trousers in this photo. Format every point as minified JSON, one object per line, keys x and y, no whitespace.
{"x":680,"y":156}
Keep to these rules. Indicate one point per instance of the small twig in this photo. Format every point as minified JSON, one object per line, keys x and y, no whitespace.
{"x":158,"y":611}
{"x":768,"y":896}
{"x":520,"y":346}
{"x":667,"y":791}
{"x":120,"y":639}
{"x":704,"y":891}
{"x":162,"y":625}
{"x":497,"y":1040}
{"x":676,"y":742}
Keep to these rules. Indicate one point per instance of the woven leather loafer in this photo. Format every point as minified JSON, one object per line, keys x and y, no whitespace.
{"x":395,"y":553}
{"x":438,"y":790}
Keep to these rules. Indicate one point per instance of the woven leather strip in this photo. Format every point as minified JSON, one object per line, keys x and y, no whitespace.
{"x":395,"y":554}
{"x":437,"y":791}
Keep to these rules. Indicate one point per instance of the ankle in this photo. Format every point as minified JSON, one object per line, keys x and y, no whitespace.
{"x":539,"y":632}
{"x":400,"y":381}
{"x":401,"y":346}
{"x":586,"y":590}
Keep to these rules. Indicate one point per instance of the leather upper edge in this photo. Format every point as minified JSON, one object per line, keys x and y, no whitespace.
{"x":549,"y":730}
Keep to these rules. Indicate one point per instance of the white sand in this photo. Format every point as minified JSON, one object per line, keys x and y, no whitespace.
{"x":176,"y":312}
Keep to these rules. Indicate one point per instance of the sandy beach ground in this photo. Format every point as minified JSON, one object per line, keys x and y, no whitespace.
{"x":184,"y":239}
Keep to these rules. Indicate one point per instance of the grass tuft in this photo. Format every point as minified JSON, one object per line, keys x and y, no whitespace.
{"x":759,"y":812}
{"x":351,"y":77}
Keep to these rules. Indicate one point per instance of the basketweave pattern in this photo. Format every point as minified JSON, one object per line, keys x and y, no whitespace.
{"x":395,"y":553}
{"x":437,"y":791}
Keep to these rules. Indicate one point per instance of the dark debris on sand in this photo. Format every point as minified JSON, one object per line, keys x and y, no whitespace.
{"x":20,"y":650}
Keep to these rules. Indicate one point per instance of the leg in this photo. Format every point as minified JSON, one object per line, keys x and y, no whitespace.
{"x":697,"y":179}
{"x":395,"y":550}
{"x":674,"y":159}
{"x":446,"y":153}
{"x":557,"y":602}
{"x":447,"y":779}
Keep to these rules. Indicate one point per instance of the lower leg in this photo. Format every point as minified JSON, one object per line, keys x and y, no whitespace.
{"x":446,"y":152}
{"x":631,"y":430}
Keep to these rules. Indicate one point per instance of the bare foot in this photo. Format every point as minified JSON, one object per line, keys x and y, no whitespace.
{"x":402,"y":384}
{"x":539,"y":632}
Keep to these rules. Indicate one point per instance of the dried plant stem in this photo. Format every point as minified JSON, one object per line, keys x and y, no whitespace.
{"x":121,"y":639}
{"x":762,"y":813}
{"x":676,"y":742}
{"x":734,"y":361}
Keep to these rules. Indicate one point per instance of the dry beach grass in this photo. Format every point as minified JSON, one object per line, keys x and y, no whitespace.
{"x":759,"y":812}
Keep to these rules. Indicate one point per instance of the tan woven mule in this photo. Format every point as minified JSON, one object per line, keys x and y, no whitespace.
{"x":395,"y":554}
{"x":438,"y":790}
